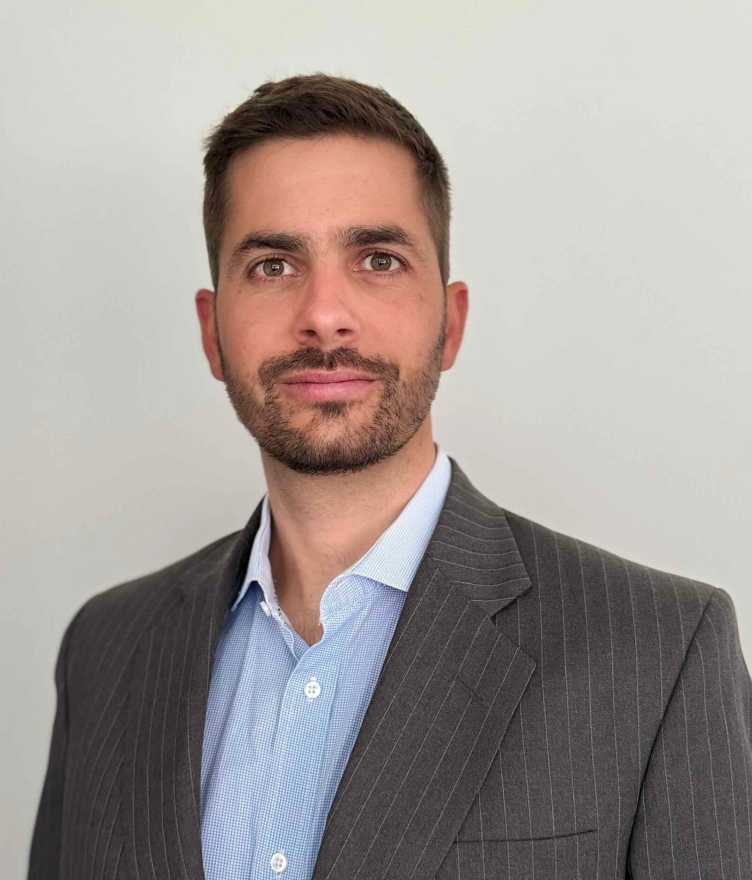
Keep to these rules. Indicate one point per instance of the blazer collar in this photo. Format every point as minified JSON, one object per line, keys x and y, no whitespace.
{"x":475,"y":546}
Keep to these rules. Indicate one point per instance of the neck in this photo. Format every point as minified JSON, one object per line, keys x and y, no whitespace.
{"x":322,"y":524}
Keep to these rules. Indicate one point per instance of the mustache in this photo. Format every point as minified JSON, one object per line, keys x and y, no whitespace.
{"x":316,"y":359}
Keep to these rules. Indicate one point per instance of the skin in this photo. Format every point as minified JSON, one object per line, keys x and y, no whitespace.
{"x":333,"y":305}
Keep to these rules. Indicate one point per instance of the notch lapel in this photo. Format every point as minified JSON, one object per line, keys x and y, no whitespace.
{"x":450,"y":683}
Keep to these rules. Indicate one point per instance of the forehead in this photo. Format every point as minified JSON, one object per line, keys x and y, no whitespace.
{"x":315,"y":185}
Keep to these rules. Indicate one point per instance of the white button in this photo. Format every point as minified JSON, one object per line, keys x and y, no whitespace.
{"x":278,"y":862}
{"x":264,"y":607}
{"x":312,"y":688}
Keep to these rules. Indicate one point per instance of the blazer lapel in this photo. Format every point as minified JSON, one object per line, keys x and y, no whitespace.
{"x":450,"y":683}
{"x":169,"y":694}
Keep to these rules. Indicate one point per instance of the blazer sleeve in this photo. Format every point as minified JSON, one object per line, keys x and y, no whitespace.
{"x":694,"y":816}
{"x":44,"y":856}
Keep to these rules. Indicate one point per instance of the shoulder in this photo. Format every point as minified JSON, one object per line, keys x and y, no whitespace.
{"x":595,"y":603}
{"x":572,"y":576}
{"x":623,"y":593}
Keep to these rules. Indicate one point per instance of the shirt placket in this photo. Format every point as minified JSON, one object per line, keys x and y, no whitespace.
{"x":283,"y":849}
{"x":295,"y":767}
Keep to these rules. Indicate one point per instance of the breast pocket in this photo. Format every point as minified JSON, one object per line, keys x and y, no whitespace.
{"x":566,"y":857}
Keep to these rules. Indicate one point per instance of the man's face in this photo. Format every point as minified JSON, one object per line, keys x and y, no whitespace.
{"x":330,"y":325}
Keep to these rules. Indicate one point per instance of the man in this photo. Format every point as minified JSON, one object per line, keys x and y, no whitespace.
{"x":384,"y":674}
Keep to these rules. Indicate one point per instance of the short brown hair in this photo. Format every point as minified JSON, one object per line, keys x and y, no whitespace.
{"x":316,"y":104}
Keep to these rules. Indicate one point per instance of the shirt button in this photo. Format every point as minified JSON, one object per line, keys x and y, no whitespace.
{"x":278,"y":862}
{"x":312,"y":688}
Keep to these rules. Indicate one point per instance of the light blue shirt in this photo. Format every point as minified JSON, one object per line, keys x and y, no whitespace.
{"x":283,"y":715}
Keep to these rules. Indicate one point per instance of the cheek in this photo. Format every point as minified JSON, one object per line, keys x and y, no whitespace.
{"x":400,"y":312}
{"x":410,"y":333}
{"x":248,"y":335}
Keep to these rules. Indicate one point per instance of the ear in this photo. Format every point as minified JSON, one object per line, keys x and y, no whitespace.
{"x":206,"y":301}
{"x":456,"y":307}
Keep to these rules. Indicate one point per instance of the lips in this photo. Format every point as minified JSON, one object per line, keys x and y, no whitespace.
{"x":329,"y":385}
{"x":327,"y":377}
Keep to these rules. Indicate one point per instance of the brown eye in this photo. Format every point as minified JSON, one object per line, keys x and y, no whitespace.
{"x":383,"y":263}
{"x":273,"y":268}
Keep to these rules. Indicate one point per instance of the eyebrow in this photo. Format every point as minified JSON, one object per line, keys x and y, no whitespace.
{"x":294,"y":243}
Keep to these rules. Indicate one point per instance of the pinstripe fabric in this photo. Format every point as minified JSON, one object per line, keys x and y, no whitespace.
{"x":546,"y":709}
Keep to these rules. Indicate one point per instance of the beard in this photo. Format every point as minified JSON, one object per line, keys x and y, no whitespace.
{"x":335,"y":440}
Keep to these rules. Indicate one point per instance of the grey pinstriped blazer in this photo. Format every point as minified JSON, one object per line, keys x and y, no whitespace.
{"x":546,"y":709}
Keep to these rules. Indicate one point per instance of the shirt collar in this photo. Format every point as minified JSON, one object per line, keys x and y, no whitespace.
{"x":395,"y":556}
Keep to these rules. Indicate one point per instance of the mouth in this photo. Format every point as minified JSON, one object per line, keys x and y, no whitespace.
{"x":316,"y":385}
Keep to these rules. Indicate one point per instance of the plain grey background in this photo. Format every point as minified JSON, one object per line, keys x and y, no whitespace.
{"x":600,"y":160}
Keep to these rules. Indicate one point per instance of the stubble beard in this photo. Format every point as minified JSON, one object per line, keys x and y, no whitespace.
{"x":404,"y":404}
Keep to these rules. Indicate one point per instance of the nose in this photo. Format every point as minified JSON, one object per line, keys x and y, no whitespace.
{"x":326,"y":315}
